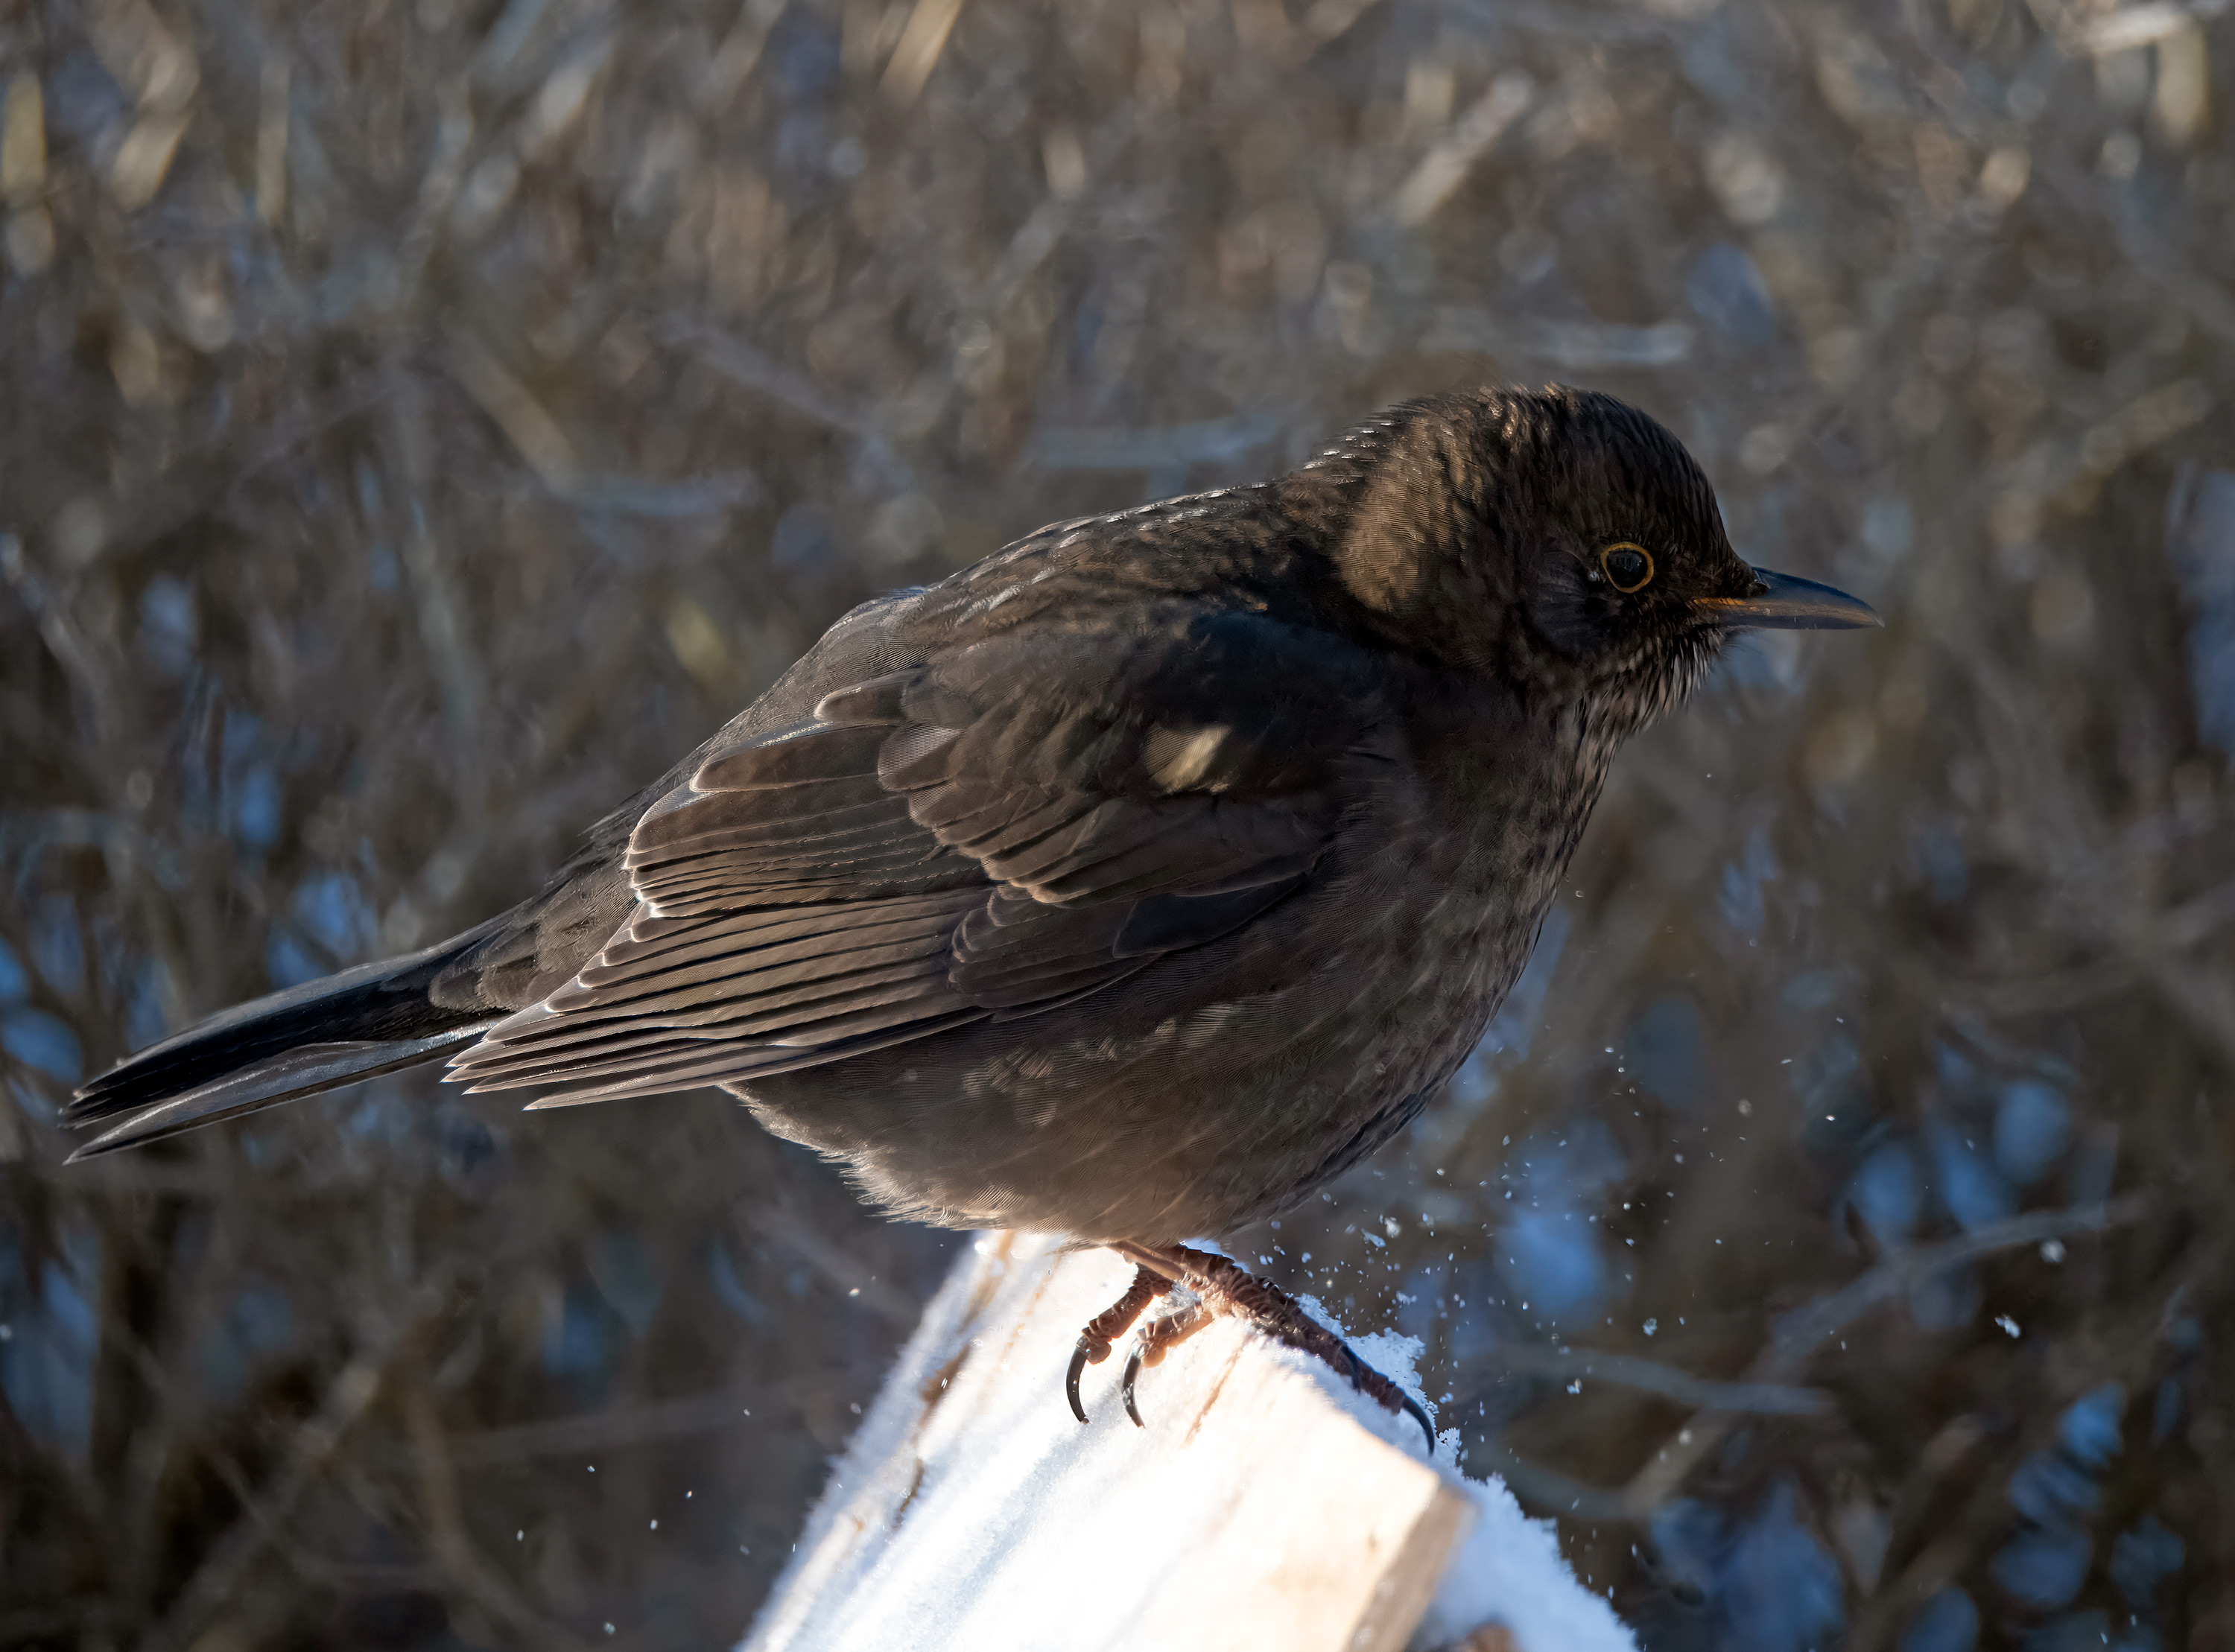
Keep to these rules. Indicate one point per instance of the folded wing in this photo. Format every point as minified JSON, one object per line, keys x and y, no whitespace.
{"x":1027,"y":819}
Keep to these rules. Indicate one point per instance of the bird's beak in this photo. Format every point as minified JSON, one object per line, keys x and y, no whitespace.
{"x":1778,"y":601}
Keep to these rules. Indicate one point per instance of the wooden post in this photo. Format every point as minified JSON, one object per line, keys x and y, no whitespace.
{"x":1262,"y":1507}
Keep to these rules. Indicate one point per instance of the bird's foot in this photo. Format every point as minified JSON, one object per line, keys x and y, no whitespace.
{"x":1222,"y":1287}
{"x":1106,"y":1328}
{"x":1157,"y":1338}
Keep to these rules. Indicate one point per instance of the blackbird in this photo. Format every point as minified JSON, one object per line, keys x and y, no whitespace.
{"x":1128,"y":885}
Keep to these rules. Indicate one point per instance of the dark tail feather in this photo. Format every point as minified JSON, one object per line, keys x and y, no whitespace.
{"x":290,"y":1077}
{"x":321,"y":1035}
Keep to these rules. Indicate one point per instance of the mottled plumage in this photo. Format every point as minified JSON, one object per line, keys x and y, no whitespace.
{"x":1127,"y":884}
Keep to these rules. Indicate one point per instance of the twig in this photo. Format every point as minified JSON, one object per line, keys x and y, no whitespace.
{"x":697,"y":1413}
{"x":1765,"y":1389}
{"x":833,"y":1264}
{"x":922,"y":39}
{"x":347,"y":1399}
{"x":1795,"y":1341}
{"x":745,"y":364}
{"x":1795,"y":1337}
{"x":1173,"y":447}
{"x":1628,"y":1371}
{"x":1448,"y":159}
{"x":464,"y":1565}
{"x":1986,"y":1513}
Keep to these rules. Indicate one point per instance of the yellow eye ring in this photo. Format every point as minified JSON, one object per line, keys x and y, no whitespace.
{"x":1638,"y":553}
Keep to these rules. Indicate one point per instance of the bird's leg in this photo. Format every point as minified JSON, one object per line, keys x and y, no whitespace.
{"x":1226,"y":1287}
{"x":1106,"y":1328}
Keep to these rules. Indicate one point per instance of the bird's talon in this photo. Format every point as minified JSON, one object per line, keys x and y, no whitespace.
{"x":1220,"y":1286}
{"x":1413,"y":1407}
{"x":1081,"y":1357}
{"x":1105,"y":1328}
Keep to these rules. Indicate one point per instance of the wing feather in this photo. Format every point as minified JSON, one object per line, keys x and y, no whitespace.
{"x":1029,"y":819}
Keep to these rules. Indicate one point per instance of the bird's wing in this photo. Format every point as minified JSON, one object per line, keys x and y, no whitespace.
{"x":1023,"y":821}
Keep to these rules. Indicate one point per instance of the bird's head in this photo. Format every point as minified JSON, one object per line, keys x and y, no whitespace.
{"x":1562,"y":538}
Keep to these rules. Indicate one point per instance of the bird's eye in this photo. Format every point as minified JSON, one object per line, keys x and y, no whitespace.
{"x":1628,"y":567}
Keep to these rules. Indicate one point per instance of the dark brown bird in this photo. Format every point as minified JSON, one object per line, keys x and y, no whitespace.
{"x":1126,"y":885}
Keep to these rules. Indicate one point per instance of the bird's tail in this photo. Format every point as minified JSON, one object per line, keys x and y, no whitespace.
{"x":325,"y":1033}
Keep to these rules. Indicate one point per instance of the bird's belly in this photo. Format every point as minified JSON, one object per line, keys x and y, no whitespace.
{"x":1214,"y":1087}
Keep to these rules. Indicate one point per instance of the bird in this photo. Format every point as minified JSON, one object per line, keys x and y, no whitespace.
{"x":1128,"y":885}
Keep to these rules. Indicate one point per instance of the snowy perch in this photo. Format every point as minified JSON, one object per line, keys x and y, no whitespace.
{"x":1263,"y":1506}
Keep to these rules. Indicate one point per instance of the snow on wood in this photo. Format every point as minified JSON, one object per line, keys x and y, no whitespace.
{"x":1263,"y":1506}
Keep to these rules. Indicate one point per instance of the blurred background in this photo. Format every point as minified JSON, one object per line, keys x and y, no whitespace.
{"x":426,"y":419}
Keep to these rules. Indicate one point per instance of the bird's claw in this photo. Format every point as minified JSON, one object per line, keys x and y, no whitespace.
{"x":1133,"y":1370}
{"x":1360,"y":1370}
{"x":1106,"y":1328}
{"x":1413,"y":1409}
{"x":1221,"y":1287}
{"x":1157,"y":1338}
{"x":1084,"y":1355}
